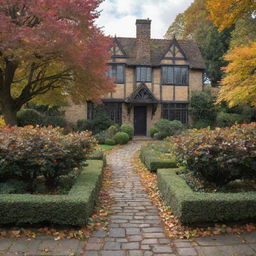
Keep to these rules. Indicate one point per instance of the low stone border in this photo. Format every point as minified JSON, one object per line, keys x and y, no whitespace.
{"x":72,"y":209}
{"x":197,"y":207}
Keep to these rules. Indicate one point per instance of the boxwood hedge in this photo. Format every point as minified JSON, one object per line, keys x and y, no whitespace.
{"x":72,"y":209}
{"x":197,"y":207}
{"x":154,"y":159}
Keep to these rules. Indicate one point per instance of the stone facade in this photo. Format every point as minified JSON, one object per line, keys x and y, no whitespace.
{"x":154,"y":79}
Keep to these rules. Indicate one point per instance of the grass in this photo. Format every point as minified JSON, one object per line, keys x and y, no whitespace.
{"x":106,"y":147}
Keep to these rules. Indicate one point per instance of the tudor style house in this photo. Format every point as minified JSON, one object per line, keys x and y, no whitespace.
{"x":154,"y":79}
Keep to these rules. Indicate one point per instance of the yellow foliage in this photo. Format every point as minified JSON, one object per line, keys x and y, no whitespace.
{"x":2,"y":122}
{"x":223,"y":14}
{"x":239,"y":84}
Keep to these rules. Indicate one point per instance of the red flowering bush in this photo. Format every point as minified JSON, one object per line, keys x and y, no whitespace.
{"x":27,"y":153}
{"x":219,"y":155}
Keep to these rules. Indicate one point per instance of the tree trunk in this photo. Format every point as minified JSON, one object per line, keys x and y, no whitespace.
{"x":9,"y":113}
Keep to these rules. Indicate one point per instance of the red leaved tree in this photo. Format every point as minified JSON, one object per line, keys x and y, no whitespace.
{"x":50,"y":45}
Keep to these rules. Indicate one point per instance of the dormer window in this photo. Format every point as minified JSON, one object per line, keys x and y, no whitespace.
{"x":143,"y":74}
{"x":117,"y":73}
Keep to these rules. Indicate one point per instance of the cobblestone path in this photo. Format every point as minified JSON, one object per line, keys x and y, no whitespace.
{"x":135,"y":228}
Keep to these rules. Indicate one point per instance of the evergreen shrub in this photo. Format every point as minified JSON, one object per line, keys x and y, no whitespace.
{"x":121,"y":138}
{"x":128,"y":129}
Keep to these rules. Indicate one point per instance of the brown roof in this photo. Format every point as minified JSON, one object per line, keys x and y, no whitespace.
{"x":158,"y":48}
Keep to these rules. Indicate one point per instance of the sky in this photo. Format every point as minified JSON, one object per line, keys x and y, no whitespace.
{"x":118,"y":16}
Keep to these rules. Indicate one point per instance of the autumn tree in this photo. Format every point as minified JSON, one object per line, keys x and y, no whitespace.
{"x":239,"y":83}
{"x":244,"y":32}
{"x":49,"y":45}
{"x":223,"y":14}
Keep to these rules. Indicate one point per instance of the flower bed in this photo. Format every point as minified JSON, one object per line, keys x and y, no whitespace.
{"x":198,"y":207}
{"x":158,"y":155}
{"x":72,"y":209}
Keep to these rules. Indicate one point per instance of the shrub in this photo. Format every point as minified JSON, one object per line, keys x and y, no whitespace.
{"x":102,"y":136}
{"x":84,"y":125}
{"x":152,"y":132}
{"x":158,"y":155}
{"x":29,"y":117}
{"x":26,"y":153}
{"x":12,"y":186}
{"x":219,"y":155}
{"x":128,"y":129}
{"x":202,"y":108}
{"x":202,"y":124}
{"x":167,"y":128}
{"x":112,"y":130}
{"x":121,"y":138}
{"x":101,"y":120}
{"x":110,"y":142}
{"x":55,"y":121}
{"x":227,"y":119}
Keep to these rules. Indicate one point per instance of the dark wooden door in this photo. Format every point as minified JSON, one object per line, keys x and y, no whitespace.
{"x":140,"y":120}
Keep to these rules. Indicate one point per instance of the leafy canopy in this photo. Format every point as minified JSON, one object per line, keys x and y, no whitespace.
{"x":48,"y":45}
{"x":225,"y":13}
{"x":239,"y":84}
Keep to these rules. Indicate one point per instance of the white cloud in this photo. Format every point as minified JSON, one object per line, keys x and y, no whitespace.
{"x":118,"y":16}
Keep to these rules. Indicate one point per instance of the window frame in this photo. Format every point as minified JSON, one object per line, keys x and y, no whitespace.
{"x":175,"y":111}
{"x":174,"y":82}
{"x":141,"y":80}
{"x":115,"y":66}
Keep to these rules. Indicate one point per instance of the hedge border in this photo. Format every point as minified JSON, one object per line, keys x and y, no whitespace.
{"x":198,"y":207}
{"x":72,"y":209}
{"x":153,"y":162}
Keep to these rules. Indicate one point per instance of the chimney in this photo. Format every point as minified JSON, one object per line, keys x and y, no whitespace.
{"x":143,"y":34}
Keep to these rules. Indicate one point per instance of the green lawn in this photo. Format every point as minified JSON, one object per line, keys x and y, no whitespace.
{"x":106,"y":147}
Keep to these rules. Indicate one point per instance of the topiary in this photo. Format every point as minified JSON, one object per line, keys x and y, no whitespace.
{"x":29,"y":117}
{"x":128,"y":129}
{"x":110,"y":142}
{"x":121,"y":138}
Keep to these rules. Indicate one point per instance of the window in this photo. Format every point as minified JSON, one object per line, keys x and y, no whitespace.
{"x":175,"y":111}
{"x":112,"y":110}
{"x":175,"y":75}
{"x":143,"y":74}
{"x":117,"y":73}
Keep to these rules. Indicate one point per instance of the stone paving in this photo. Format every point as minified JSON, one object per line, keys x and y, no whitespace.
{"x":135,"y":227}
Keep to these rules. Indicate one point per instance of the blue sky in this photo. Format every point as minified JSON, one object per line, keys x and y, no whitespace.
{"x":118,"y":16}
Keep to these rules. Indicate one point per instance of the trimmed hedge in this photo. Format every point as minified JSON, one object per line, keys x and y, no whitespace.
{"x":196,"y":207}
{"x":72,"y":209}
{"x":154,"y":159}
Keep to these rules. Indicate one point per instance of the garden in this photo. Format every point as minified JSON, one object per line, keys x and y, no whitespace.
{"x":207,"y":175}
{"x":47,"y":176}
